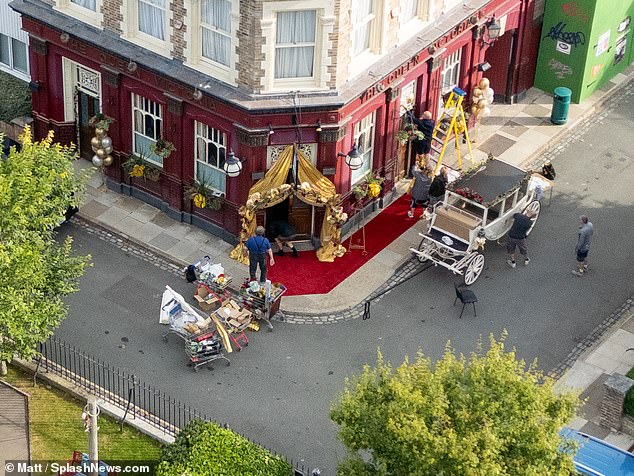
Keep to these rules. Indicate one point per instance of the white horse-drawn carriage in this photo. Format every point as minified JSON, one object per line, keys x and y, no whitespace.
{"x":478,"y":206}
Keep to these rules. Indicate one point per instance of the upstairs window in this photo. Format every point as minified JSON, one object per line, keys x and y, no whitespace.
{"x":89,"y":4}
{"x":409,"y":10}
{"x":363,"y":15}
{"x":151,"y":17}
{"x":147,"y":125}
{"x":211,"y":151}
{"x":13,"y":53}
{"x":215,"y":30}
{"x":295,"y":44}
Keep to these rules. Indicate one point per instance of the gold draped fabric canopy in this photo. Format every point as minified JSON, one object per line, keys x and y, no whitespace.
{"x":313,"y":188}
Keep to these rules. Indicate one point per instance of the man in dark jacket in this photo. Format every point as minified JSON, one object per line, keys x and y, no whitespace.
{"x":438,"y":186}
{"x":522,"y":223}
{"x":426,"y":126}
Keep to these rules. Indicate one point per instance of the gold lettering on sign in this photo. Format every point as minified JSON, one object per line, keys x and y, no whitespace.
{"x":385,"y":83}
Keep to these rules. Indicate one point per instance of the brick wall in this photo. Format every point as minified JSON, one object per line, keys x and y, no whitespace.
{"x":391,"y":24}
{"x":249,"y":48}
{"x":614,"y":390}
{"x":333,"y":51}
{"x":344,"y":42}
{"x":627,"y":425}
{"x":112,"y":11}
{"x":179,"y":29}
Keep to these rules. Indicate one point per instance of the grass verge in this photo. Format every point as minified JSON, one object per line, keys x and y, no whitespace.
{"x":57,"y":428}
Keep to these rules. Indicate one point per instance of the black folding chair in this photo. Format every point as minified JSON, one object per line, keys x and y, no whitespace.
{"x":466,"y":296}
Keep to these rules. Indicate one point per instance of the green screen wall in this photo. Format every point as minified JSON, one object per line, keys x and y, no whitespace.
{"x":584,"y":43}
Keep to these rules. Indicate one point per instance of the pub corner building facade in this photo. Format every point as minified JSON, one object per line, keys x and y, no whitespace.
{"x":254,"y":76}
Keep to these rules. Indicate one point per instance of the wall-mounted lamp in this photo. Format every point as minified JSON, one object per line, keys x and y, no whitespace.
{"x":34,"y":86}
{"x":197,"y":94}
{"x":493,"y":30}
{"x":64,"y":37}
{"x":486,"y":66}
{"x":132,"y":66}
{"x":233,"y":165}
{"x":271,"y":131}
{"x":318,"y":128}
{"x":431,"y":49}
{"x":353,"y":159}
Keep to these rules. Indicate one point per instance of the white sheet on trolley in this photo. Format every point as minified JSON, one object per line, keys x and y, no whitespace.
{"x":175,"y":311}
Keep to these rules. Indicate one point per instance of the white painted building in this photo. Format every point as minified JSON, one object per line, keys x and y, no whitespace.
{"x":14,"y":51}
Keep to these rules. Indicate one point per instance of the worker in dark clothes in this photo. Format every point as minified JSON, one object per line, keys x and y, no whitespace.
{"x":425,"y":125}
{"x":258,"y":247}
{"x":283,"y":233}
{"x":522,"y":223}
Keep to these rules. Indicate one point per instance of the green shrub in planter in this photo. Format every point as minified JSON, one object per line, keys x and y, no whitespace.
{"x":203,"y":449}
{"x":628,"y":403}
{"x":15,"y":97}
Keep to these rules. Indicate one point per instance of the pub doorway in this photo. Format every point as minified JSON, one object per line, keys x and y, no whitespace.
{"x":299,"y":215}
{"x":87,"y":107}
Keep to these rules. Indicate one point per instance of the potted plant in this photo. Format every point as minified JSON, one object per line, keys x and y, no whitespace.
{"x":138,"y":166}
{"x":162,"y":148}
{"x":203,"y":195}
{"x":370,"y":187}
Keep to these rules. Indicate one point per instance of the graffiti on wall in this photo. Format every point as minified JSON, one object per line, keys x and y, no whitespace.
{"x":572,"y":9}
{"x":559,"y":33}
{"x":559,"y":69}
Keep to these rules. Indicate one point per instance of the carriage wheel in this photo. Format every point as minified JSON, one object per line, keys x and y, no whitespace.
{"x":535,"y":207}
{"x":429,"y":248}
{"x":474,"y":269}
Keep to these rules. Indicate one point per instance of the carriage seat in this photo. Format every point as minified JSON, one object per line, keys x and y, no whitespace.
{"x":456,"y":222}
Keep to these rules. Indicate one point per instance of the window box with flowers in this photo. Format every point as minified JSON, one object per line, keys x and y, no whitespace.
{"x":203,"y":196}
{"x":162,"y":148}
{"x":369,"y":188}
{"x":409,"y":133}
{"x":137,"y":167}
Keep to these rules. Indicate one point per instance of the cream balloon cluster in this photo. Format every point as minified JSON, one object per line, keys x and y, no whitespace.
{"x":102,"y":147}
{"x":481,"y":98}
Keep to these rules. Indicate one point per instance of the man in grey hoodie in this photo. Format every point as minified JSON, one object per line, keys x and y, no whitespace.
{"x":586,"y":231}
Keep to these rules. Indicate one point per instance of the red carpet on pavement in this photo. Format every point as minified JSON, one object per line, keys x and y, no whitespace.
{"x":307,"y":275}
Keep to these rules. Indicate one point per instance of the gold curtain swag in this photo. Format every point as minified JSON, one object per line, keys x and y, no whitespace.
{"x":314,"y":189}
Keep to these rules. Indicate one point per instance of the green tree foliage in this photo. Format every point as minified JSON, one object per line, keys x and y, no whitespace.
{"x":203,"y":449}
{"x":37,"y":185}
{"x":487,"y":415}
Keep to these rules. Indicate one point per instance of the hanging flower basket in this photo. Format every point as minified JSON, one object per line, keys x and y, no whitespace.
{"x":162,"y":148}
{"x":137,"y":166}
{"x":100,"y":121}
{"x":203,"y":196}
{"x":371,"y":187}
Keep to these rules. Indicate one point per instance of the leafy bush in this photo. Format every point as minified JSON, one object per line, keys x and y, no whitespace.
{"x":628,"y":403}
{"x":204,"y":448}
{"x":15,"y":97}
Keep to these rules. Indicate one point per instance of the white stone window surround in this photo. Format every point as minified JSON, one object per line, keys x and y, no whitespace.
{"x":71,"y":74}
{"x":377,"y":45}
{"x":193,"y":52}
{"x":208,"y":169}
{"x":409,"y":27}
{"x":131,"y":32}
{"x":364,"y":137}
{"x":324,"y":27}
{"x":147,"y":126}
{"x":93,"y":18}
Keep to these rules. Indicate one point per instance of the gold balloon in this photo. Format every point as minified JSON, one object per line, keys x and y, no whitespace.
{"x":100,"y":133}
{"x":477,"y":92}
{"x":481,"y":105}
{"x":107,"y":161}
{"x":474,"y":109}
{"x":95,"y":142}
{"x":101,"y":154}
{"x":483,"y":84}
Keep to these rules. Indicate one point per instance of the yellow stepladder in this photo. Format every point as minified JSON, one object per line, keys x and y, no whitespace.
{"x":452,"y":123}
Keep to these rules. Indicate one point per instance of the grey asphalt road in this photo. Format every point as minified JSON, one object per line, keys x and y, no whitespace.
{"x":278,"y":390}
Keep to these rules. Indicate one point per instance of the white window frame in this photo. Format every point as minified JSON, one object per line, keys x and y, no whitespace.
{"x":199,"y":128}
{"x":324,"y":28}
{"x":366,"y":126}
{"x":131,"y":32}
{"x":146,"y":153}
{"x":451,"y":71}
{"x":11,"y":66}
{"x":70,"y":73}
{"x":359,"y":62}
{"x":93,"y":18}
{"x":409,"y":27}
{"x":193,"y":51}
{"x":281,"y":46}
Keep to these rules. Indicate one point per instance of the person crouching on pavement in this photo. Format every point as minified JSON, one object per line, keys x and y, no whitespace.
{"x":283,"y":233}
{"x":522,"y":223}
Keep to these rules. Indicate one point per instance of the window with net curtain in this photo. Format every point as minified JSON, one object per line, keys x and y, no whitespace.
{"x":152,"y":17}
{"x":363,"y":21}
{"x":409,"y":10}
{"x":215,"y":30}
{"x":211,"y":150}
{"x":295,"y":44}
{"x":89,"y":4}
{"x":364,"y":138}
{"x":147,"y":125}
